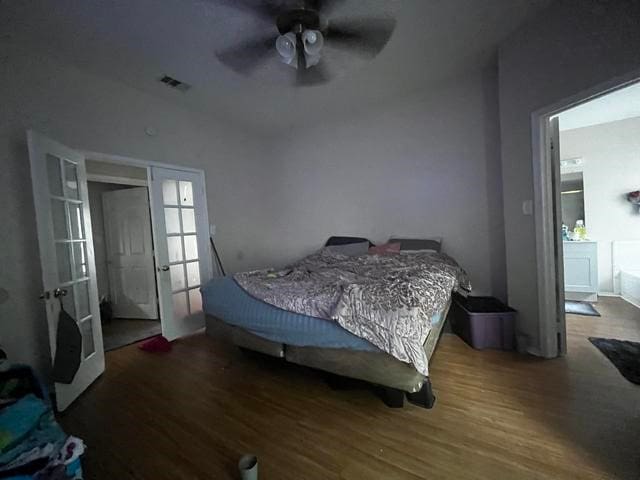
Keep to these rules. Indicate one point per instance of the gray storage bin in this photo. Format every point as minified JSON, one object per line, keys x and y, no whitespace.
{"x":484,"y":322}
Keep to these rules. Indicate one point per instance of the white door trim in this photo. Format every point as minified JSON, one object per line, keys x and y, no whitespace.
{"x":543,"y":208}
{"x":95,"y":177}
{"x":135,"y":162}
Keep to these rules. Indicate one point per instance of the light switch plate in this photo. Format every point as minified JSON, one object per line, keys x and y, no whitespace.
{"x":527,"y":207}
{"x":212,"y":230}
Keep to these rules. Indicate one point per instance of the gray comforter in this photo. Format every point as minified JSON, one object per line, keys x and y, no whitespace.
{"x":387,"y":300}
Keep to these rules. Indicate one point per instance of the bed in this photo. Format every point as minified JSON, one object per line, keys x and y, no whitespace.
{"x":236,"y":313}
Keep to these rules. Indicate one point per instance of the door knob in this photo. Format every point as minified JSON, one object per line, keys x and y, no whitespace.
{"x":60,"y":292}
{"x":165,"y":268}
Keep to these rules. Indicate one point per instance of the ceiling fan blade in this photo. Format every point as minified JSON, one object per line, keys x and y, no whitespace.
{"x":316,"y":75}
{"x":367,"y":36}
{"x":265,"y":9}
{"x":246,"y":56}
{"x":323,"y":6}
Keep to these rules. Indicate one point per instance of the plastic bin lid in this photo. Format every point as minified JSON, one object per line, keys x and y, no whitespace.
{"x":482,"y":304}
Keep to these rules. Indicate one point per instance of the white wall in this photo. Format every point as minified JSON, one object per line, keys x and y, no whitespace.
{"x":425,"y":165}
{"x":92,"y":113}
{"x":572,"y":46}
{"x":611,"y":154}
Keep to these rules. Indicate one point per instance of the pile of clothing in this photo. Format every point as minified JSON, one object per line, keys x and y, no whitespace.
{"x":32,"y":444}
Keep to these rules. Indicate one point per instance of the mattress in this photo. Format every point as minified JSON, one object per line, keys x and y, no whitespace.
{"x":225,"y":299}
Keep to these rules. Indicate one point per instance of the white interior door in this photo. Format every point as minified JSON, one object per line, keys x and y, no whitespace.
{"x":554,"y":149}
{"x":183,"y":258}
{"x":132,"y":277}
{"x":66,"y":254}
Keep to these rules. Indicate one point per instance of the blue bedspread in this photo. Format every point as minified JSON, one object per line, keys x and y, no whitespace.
{"x":223,"y":298}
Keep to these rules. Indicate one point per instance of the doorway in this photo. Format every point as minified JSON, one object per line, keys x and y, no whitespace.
{"x":587,"y":173}
{"x":180,"y":252}
{"x":123,"y":247}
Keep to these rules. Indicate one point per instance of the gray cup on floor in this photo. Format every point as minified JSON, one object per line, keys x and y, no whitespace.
{"x":248,"y":466}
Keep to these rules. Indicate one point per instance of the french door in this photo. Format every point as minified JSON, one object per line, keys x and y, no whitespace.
{"x":181,"y":243}
{"x":65,"y":241}
{"x":181,"y":238}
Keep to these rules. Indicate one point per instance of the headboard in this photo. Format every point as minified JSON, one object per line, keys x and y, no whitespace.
{"x":625,"y":256}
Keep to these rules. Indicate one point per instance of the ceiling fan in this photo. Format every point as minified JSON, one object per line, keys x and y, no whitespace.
{"x":300,"y":33}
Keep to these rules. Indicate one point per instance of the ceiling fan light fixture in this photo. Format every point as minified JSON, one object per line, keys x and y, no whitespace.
{"x":286,"y":47}
{"x":313,"y":41}
{"x":302,"y":29}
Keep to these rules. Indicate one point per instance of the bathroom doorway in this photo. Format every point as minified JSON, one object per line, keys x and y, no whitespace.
{"x":594,"y":174}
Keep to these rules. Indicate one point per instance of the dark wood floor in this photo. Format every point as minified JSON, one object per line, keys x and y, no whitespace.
{"x":120,"y":332}
{"x":191,"y":413}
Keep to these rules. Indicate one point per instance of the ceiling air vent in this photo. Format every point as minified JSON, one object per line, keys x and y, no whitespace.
{"x":173,"y":83}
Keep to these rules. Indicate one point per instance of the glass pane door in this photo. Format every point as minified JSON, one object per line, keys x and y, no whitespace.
{"x":183,"y":256}
{"x":184,"y":261}
{"x":65,"y":245}
{"x":70,"y":246}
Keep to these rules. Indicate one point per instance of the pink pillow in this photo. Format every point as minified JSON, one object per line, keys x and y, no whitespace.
{"x":385,"y":249}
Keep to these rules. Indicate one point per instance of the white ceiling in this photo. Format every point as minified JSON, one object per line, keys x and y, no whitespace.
{"x":618,"y":105}
{"x":137,"y":41}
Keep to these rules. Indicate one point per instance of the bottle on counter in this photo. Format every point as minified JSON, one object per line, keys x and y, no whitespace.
{"x":580,"y":230}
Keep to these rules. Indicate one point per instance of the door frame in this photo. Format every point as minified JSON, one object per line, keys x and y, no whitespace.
{"x":546,"y":267}
{"x":98,"y":178}
{"x":148,"y":164}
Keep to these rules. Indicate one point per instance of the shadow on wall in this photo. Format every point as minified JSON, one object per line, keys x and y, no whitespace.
{"x":495,"y":217}
{"x":23,"y":316}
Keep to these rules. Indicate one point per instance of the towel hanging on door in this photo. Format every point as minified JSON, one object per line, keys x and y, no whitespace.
{"x":68,"y":349}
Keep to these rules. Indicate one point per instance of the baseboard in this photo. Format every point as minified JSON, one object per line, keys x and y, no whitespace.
{"x":608,"y":294}
{"x":581,"y":297}
{"x":632,"y":302}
